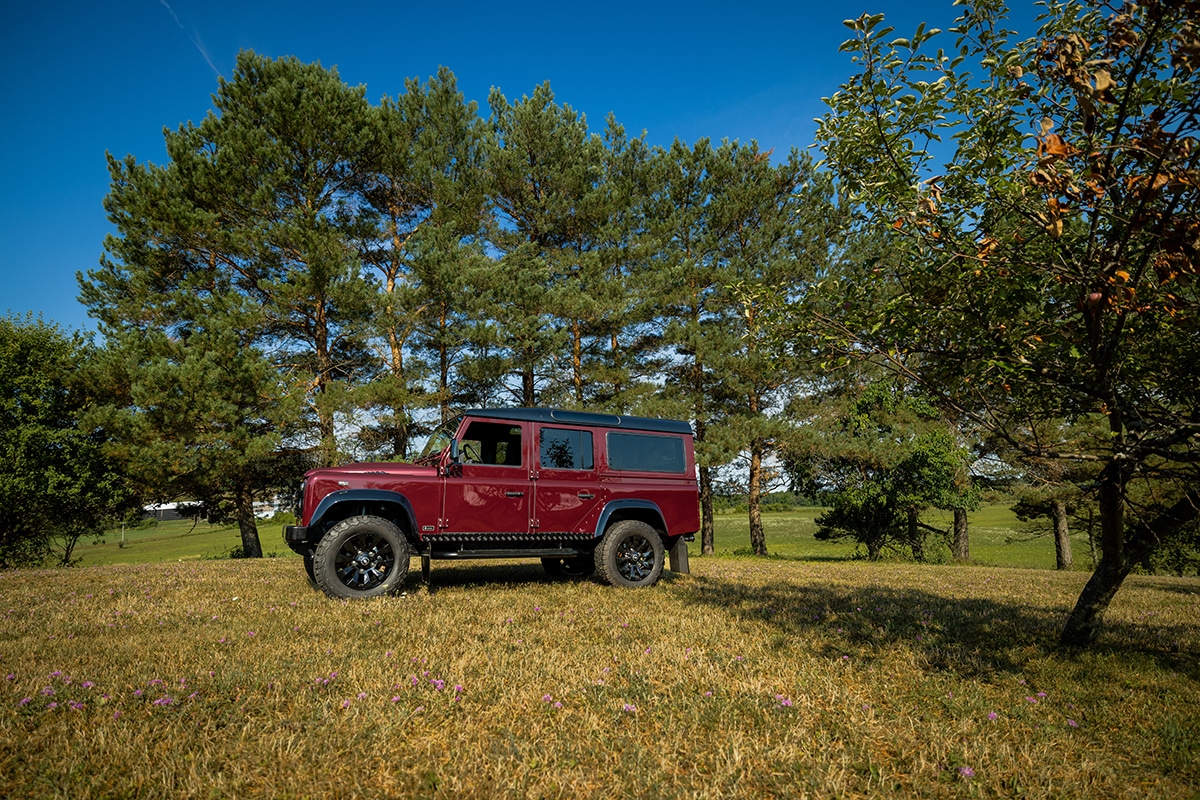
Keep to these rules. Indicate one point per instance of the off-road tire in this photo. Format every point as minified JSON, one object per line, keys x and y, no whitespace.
{"x":630,"y":555}
{"x":361,"y":557}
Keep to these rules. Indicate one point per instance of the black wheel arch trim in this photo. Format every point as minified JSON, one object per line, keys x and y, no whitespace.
{"x":621,"y":505}
{"x":333,"y":499}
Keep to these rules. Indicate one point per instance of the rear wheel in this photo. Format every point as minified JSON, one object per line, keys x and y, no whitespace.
{"x":361,"y":557}
{"x":630,"y":555}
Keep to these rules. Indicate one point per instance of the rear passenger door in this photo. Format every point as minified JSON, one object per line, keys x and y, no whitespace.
{"x":567,"y":496}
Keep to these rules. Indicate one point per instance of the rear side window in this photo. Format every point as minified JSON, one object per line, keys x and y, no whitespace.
{"x":634,"y":451}
{"x":564,"y":449}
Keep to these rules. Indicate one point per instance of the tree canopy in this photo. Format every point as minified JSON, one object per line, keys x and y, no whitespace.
{"x":1040,"y":202}
{"x":55,"y":483}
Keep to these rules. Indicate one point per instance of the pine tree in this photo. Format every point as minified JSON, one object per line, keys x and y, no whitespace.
{"x":422,"y":183}
{"x":277,"y":165}
{"x":544,"y":167}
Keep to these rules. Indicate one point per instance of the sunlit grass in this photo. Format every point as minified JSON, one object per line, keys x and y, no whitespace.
{"x":749,"y":678}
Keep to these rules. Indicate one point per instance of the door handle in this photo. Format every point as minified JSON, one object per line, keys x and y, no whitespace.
{"x":586,"y":495}
{"x":514,"y":494}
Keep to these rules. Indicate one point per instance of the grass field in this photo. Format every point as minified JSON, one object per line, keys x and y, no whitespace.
{"x":748,"y":678}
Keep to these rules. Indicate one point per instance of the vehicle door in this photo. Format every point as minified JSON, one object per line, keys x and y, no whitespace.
{"x":489,"y":489}
{"x":567,"y":495}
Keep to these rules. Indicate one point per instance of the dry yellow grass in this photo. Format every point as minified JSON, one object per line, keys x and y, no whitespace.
{"x":747,"y":679}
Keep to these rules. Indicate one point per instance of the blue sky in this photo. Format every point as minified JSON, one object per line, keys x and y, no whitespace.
{"x":91,"y":77}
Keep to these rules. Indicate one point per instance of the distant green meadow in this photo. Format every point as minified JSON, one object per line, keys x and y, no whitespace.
{"x":997,"y":537}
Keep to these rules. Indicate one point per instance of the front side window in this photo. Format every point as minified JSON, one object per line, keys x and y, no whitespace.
{"x":495,"y":443}
{"x":565,"y":449}
{"x":634,"y":451}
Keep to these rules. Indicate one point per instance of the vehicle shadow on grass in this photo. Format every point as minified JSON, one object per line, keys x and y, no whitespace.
{"x":450,"y":574}
{"x":968,"y":636}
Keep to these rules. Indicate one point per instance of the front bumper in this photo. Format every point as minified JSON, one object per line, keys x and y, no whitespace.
{"x":295,"y":534}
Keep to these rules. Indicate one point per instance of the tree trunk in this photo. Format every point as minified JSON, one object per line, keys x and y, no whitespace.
{"x":916,"y":537}
{"x":1091,"y":533}
{"x":707,"y":545}
{"x":1083,"y":625}
{"x":960,"y":547}
{"x":244,"y":504}
{"x":874,"y":548}
{"x":577,"y":363}
{"x":1062,"y":536}
{"x":528,"y":395}
{"x":322,"y":379}
{"x":758,"y":539}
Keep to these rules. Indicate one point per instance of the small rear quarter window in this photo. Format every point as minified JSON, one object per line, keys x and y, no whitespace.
{"x":645,"y":453}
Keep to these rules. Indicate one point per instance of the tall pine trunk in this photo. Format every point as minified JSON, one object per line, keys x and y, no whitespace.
{"x":758,"y":539}
{"x":244,"y":505}
{"x":960,"y":546}
{"x":707,"y":544}
{"x":324,"y":364}
{"x":1062,"y":536}
{"x":577,"y":363}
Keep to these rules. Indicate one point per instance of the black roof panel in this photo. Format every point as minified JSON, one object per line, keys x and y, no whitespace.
{"x":565,"y":417}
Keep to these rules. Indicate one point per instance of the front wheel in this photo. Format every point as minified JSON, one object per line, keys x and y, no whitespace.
{"x":630,"y":555}
{"x":361,"y":557}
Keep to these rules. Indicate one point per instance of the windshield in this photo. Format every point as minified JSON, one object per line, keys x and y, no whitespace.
{"x":439,"y":440}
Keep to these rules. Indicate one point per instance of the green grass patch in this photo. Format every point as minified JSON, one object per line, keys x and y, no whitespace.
{"x":748,"y":678}
{"x":997,"y":538}
{"x":174,"y":540}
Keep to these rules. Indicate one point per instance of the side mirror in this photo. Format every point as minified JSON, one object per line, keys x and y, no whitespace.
{"x":454,"y":453}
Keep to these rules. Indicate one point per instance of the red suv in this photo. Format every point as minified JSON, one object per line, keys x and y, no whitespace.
{"x":583,"y":492}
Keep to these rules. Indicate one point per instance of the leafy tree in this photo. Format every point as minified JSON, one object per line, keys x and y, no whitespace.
{"x":607,"y":301}
{"x":880,"y":456}
{"x":1041,"y":199}
{"x":196,"y":411}
{"x":55,"y":483}
{"x":195,"y":408}
{"x":1052,"y":487}
{"x":778,"y":224}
